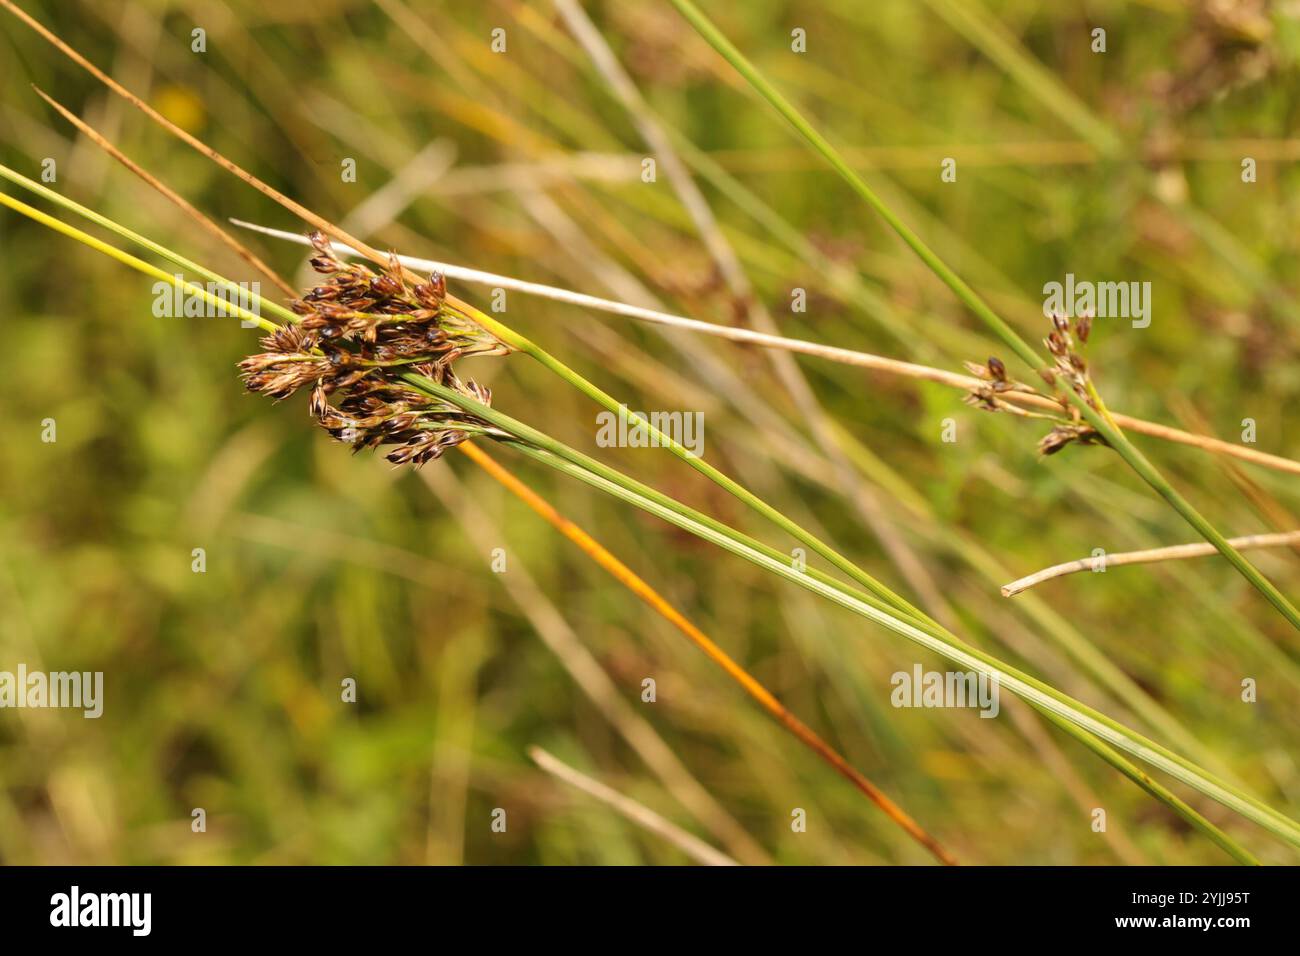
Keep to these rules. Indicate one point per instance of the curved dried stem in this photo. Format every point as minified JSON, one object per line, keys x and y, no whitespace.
{"x":1177,"y":552}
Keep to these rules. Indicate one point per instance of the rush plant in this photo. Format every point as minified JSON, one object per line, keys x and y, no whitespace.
{"x":377,"y":348}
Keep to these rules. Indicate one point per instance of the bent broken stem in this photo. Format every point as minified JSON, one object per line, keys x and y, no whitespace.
{"x":1177,"y":552}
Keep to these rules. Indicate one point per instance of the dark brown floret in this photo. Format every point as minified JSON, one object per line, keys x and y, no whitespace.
{"x":360,"y":331}
{"x":1069,"y":370}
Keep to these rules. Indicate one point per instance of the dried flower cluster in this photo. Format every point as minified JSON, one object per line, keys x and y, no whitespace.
{"x":1069,"y":370}
{"x":360,"y":332}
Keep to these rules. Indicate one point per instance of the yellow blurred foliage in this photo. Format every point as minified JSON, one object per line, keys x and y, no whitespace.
{"x":182,"y":106}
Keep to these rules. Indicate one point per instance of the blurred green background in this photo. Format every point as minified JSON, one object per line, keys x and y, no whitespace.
{"x":222,"y":688}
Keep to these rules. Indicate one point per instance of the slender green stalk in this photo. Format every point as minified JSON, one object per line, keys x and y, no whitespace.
{"x":703,"y":530}
{"x":972,"y":21}
{"x":264,"y":304}
{"x":971,"y":299}
{"x":527,"y":346}
{"x":139,"y":265}
{"x":917,"y":629}
{"x":1157,"y":790}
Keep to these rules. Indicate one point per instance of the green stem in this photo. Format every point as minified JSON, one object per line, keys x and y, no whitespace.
{"x":527,"y":346}
{"x":139,"y":265}
{"x":264,"y":304}
{"x":736,"y":543}
{"x":915,"y":628}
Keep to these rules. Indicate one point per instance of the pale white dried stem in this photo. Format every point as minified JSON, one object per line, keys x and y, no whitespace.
{"x":1172,"y":553}
{"x":831,"y":353}
{"x":745,"y":336}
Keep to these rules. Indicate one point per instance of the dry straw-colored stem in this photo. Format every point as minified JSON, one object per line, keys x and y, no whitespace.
{"x":638,"y":813}
{"x":194,"y":142}
{"x":1175,"y":552}
{"x":170,"y":194}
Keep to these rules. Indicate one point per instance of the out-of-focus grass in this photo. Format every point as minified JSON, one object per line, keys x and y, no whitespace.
{"x":223,"y":687}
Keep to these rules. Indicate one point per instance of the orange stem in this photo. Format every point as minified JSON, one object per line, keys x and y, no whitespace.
{"x":638,"y":586}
